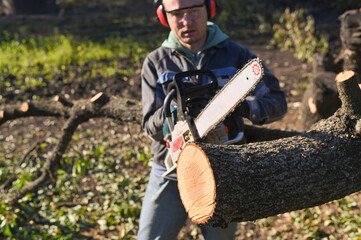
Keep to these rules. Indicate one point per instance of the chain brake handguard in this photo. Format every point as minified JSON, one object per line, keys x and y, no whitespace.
{"x":184,"y":130}
{"x":188,"y":90}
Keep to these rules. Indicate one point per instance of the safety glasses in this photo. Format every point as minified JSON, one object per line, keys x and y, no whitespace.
{"x":194,"y":12}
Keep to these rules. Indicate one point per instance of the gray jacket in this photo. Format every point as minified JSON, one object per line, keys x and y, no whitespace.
{"x":267,"y":102}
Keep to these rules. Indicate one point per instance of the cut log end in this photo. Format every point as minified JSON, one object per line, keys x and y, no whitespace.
{"x":312,"y":105}
{"x":2,"y":114}
{"x":24,"y":107}
{"x":100,"y":98}
{"x":358,"y":127}
{"x":96,"y":97}
{"x":196,"y":183}
{"x":344,"y":76}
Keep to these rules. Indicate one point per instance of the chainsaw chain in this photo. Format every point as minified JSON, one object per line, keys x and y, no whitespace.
{"x":239,"y":101}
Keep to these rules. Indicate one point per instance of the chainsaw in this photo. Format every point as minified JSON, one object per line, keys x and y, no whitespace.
{"x":189,"y":90}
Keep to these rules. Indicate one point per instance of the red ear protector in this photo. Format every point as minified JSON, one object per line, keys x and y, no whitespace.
{"x":162,"y":17}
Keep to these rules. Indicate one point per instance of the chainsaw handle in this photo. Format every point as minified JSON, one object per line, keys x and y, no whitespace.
{"x":166,"y":106}
{"x":184,"y":93}
{"x":194,"y":90}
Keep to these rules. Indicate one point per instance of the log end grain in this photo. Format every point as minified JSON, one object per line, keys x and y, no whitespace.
{"x":196,"y":183}
{"x":24,"y":107}
{"x":312,"y":105}
{"x":344,"y":76}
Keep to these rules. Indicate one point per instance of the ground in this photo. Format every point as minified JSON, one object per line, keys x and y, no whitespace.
{"x":293,"y":74}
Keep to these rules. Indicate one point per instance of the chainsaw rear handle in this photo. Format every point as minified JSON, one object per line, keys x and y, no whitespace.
{"x":195,"y":89}
{"x":185,"y":91}
{"x":166,"y":106}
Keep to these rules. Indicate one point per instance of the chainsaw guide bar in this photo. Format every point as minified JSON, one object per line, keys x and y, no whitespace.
{"x":229,"y":97}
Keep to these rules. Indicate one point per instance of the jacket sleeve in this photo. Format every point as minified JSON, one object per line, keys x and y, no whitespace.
{"x":152,"y":101}
{"x":267,"y":103}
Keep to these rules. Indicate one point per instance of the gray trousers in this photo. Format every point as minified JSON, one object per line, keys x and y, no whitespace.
{"x":163,"y":214}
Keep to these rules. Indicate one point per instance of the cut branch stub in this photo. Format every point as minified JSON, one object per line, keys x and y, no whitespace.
{"x":100,"y":98}
{"x":24,"y":107}
{"x":320,"y":100}
{"x":63,"y":101}
{"x":350,"y":93}
{"x":312,"y":105}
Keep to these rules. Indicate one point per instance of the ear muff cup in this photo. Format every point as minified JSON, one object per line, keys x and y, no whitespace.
{"x":211,"y":8}
{"x":162,"y":17}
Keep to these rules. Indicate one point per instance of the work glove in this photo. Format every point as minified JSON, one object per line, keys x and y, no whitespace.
{"x":218,"y":135}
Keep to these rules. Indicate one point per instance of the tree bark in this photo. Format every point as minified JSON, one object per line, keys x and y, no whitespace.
{"x":321,"y":97}
{"x":221,"y":184}
{"x":121,"y":109}
{"x":350,"y":34}
{"x":350,"y":94}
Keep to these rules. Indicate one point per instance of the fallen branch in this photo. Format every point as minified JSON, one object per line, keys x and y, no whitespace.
{"x":124,"y":110}
{"x":81,"y":111}
{"x":350,"y":94}
{"x":33,"y":108}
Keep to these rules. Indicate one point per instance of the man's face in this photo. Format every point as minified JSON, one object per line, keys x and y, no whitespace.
{"x":188,"y":21}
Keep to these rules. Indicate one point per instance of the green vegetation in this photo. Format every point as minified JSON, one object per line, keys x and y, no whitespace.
{"x":297,"y":32}
{"x":99,"y":186}
{"x":30,"y":63}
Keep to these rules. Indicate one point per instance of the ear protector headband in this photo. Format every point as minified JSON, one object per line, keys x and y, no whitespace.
{"x":162,"y":17}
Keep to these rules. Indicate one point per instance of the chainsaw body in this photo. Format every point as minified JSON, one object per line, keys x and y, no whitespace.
{"x":202,"y":107}
{"x":191,"y":91}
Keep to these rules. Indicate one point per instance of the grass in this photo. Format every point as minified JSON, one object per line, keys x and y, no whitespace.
{"x":33,"y":60}
{"x":99,"y":186}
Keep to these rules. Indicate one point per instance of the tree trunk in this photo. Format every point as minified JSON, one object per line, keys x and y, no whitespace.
{"x":350,"y":35}
{"x":221,"y":184}
{"x":320,"y":100}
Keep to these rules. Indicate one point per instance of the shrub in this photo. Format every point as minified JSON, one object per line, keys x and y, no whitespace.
{"x":296,"y":31}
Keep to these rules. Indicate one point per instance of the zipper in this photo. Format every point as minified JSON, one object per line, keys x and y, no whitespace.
{"x":184,"y":56}
{"x":201,"y":58}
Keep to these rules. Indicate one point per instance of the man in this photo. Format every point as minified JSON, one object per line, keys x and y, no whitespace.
{"x":193,"y":44}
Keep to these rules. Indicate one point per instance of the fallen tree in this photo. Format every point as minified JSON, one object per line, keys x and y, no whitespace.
{"x":223,"y":184}
{"x":235,"y":183}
